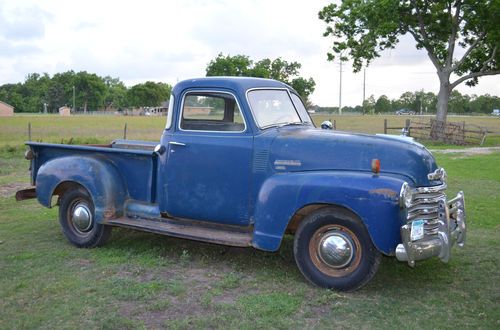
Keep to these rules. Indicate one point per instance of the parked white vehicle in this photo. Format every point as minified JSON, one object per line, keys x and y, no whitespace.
{"x":495,"y":112}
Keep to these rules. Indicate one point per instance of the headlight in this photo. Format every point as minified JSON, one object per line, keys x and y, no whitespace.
{"x":405,"y":195}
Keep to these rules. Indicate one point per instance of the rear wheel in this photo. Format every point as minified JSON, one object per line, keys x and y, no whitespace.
{"x":77,"y":219}
{"x":334,"y":250}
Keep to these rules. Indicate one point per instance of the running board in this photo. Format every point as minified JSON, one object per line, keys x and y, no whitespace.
{"x":193,"y":230}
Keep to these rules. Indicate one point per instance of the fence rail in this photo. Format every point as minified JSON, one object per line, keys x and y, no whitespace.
{"x":447,"y":132}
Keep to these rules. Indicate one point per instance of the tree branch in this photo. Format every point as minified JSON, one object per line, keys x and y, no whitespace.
{"x":453,"y":35}
{"x":425,"y":39}
{"x":471,"y":48}
{"x":473,"y":75}
{"x":490,"y":59}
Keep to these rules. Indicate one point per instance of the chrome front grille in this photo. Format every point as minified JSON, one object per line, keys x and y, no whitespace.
{"x":425,"y":206}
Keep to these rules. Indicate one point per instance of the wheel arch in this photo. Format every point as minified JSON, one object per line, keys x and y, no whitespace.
{"x":285,"y":199}
{"x":98,"y":177}
{"x":305,"y":210}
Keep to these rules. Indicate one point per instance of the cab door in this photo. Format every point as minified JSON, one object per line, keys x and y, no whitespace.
{"x":209,"y":160}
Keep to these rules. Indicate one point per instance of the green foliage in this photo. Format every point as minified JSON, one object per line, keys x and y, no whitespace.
{"x":149,"y":94}
{"x":278,"y":69}
{"x":383,"y":104}
{"x":91,"y":92}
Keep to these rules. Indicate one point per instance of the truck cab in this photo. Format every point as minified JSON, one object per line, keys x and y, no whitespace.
{"x":241,"y":163}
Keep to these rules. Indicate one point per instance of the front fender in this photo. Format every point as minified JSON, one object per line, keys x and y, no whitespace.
{"x":374,"y":198}
{"x":100,"y":177}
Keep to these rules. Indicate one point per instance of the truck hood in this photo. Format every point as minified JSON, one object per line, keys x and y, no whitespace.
{"x":310,"y":149}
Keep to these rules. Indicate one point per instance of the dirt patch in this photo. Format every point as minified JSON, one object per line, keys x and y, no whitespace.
{"x":466,"y":152}
{"x":196,"y":301}
{"x":9,"y":189}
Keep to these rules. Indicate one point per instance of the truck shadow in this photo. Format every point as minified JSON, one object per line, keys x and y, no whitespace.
{"x":181,"y":255}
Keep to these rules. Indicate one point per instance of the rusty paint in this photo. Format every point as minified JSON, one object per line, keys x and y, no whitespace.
{"x":384,"y":192}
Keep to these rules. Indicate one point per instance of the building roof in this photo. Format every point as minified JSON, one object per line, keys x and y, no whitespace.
{"x":7,"y":104}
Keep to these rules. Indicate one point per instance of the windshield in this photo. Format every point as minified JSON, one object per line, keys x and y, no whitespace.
{"x":304,"y":115}
{"x":272,"y":108}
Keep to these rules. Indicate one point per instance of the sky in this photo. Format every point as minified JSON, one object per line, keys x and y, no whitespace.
{"x":169,"y":41}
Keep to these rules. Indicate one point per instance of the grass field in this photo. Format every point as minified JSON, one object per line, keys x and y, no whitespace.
{"x":141,"y":280}
{"x":52,"y":128}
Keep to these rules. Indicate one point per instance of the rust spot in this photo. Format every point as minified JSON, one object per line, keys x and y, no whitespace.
{"x":384,"y":192}
{"x":110,"y":212}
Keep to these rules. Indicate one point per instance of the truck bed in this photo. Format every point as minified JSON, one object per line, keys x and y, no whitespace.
{"x":133,"y":160}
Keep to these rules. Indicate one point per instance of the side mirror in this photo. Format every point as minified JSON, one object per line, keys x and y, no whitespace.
{"x":327,"y":125}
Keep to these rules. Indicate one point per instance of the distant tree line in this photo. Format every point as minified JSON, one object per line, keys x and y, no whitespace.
{"x":422,"y":102}
{"x":88,"y":91}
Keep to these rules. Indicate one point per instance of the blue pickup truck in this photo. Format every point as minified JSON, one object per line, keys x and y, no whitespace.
{"x":241,"y":163}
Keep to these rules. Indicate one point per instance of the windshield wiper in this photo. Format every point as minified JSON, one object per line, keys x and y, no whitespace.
{"x":291,"y":124}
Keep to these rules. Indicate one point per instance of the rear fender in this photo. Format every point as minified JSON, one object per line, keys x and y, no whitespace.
{"x":374,"y":198}
{"x":100,"y":177}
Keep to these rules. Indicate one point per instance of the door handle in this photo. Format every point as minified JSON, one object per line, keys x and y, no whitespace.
{"x":177,"y":143}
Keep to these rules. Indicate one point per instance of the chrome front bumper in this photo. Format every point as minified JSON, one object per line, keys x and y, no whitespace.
{"x":449,"y":227}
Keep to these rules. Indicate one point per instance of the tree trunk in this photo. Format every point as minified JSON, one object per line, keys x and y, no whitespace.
{"x":85,"y":107}
{"x":437,"y":127}
{"x":442,"y":100}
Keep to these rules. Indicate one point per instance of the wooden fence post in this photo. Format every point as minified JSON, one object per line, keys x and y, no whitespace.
{"x":385,"y":126}
{"x":125,"y":132}
{"x":335,"y":124}
{"x":29,"y":131}
{"x":407,"y":127}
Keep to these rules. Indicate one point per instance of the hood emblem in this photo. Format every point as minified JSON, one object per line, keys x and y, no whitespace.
{"x":280,"y":164}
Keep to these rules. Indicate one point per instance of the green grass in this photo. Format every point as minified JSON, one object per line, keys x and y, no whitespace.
{"x":141,"y":280}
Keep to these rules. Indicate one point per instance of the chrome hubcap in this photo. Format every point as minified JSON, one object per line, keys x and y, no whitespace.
{"x":82,"y":217}
{"x":336,"y":249}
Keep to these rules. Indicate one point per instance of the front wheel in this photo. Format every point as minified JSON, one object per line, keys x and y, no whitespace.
{"x":77,"y":219}
{"x":334,"y":250}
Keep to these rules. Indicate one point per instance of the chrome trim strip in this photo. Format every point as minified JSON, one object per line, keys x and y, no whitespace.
{"x":431,"y":189}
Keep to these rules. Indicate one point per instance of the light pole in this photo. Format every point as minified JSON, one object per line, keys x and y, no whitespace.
{"x":340,"y":87}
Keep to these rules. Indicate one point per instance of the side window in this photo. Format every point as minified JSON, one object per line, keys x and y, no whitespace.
{"x":211,"y":111}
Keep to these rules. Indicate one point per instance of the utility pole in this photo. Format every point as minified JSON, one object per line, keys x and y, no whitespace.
{"x":364,"y":84}
{"x":364,"y":90}
{"x":73,"y":98}
{"x":340,"y":89}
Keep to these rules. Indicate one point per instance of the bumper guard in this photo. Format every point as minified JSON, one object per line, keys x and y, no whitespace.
{"x":451,"y":230}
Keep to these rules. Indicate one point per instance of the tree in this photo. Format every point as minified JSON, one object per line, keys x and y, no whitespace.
{"x":12,"y":94}
{"x":383,"y":104}
{"x":60,"y":90}
{"x":89,"y":89}
{"x":116,"y":93}
{"x":484,"y":103}
{"x":149,"y":94}
{"x":363,"y":28}
{"x":36,"y":91}
{"x":369,"y":105}
{"x":238,"y":65}
{"x":278,"y":69}
{"x":459,"y":103}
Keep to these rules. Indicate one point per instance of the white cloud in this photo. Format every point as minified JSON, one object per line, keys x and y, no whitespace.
{"x":172,"y":40}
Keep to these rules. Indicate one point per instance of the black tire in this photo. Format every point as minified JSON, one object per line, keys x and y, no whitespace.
{"x":93,"y":234}
{"x":346,"y":272}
